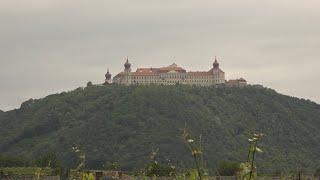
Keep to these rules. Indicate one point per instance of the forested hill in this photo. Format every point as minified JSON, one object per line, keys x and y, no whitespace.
{"x":123,"y":124}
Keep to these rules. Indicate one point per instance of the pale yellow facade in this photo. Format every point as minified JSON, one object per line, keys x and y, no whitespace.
{"x":170,"y":75}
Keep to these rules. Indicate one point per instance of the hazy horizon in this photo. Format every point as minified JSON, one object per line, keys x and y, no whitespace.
{"x":53,"y":46}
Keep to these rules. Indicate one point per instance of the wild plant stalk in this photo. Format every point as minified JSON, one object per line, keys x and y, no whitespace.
{"x":253,"y":148}
{"x":249,"y":150}
{"x":196,"y":151}
{"x":200,"y":148}
{"x":40,"y":172}
{"x":82,"y":158}
{"x":255,"y":143}
{"x":153,"y":160}
{"x":80,"y":174}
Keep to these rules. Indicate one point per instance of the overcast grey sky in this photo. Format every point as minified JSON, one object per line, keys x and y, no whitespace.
{"x":49,"y":46}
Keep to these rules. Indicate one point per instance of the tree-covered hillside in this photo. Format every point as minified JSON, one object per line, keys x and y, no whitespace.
{"x":1,"y":112}
{"x":123,"y":124}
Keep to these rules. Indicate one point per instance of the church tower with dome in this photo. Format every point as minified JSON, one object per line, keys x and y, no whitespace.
{"x":127,"y":66}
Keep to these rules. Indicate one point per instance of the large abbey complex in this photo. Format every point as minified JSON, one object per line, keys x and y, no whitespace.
{"x":171,"y":75}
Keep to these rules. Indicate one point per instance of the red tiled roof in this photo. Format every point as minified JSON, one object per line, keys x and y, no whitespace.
{"x":118,"y":75}
{"x":231,"y":81}
{"x":143,"y":73}
{"x":199,"y":73}
{"x":234,"y":82}
{"x":172,"y":67}
{"x":237,"y":80}
{"x":210,"y":71}
{"x":146,"y":71}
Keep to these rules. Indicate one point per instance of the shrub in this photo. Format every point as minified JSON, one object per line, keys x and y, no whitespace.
{"x":228,"y":168}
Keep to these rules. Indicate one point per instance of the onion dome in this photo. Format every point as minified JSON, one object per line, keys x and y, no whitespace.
{"x":127,"y":65}
{"x":215,"y":64}
{"x":108,"y":75}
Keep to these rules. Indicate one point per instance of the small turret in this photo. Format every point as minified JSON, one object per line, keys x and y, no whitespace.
{"x":215,"y":64}
{"x":108,"y":77}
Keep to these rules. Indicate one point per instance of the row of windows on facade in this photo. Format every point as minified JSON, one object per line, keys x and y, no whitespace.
{"x":174,"y":77}
{"x":176,"y":81}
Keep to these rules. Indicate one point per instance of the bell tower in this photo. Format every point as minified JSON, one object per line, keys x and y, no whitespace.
{"x":127,"y":66}
{"x":216,"y":63}
{"x":127,"y":72}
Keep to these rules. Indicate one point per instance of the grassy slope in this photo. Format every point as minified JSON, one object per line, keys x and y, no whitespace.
{"x":123,"y":124}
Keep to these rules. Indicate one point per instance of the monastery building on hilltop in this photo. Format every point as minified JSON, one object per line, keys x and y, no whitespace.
{"x":171,"y":75}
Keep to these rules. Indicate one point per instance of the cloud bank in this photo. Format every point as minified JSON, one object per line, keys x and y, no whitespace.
{"x":51,"y":46}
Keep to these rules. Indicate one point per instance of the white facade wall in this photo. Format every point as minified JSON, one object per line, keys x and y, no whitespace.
{"x":172,"y":78}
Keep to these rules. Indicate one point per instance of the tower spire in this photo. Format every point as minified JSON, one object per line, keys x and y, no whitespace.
{"x":215,"y":63}
{"x":127,"y":65}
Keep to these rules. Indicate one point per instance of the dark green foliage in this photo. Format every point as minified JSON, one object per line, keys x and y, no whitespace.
{"x":13,"y":161}
{"x":159,"y":170}
{"x":122,"y":124}
{"x":154,"y":168}
{"x":50,"y":159}
{"x":115,"y":166}
{"x":228,"y":168}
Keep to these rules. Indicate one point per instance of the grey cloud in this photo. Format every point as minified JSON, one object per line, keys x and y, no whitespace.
{"x":51,"y":46}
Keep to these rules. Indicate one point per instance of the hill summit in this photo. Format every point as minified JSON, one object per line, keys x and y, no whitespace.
{"x":124,"y":123}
